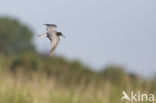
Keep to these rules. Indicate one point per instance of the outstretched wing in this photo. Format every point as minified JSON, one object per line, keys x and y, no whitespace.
{"x":54,"y":44}
{"x":51,"y":28}
{"x":42,"y":35}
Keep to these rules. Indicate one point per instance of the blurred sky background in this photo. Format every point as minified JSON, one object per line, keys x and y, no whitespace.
{"x":98,"y":32}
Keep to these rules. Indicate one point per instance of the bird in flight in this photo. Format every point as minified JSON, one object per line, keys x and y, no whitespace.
{"x":53,"y":36}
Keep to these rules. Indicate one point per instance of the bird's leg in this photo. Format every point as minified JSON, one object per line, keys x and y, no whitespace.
{"x":42,"y":35}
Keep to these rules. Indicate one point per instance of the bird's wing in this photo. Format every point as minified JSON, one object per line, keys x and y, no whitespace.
{"x":54,"y":44}
{"x":51,"y":29}
{"x":42,"y":35}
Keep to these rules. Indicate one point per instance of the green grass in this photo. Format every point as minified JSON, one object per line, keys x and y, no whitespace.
{"x":45,"y":90}
{"x":32,"y":79}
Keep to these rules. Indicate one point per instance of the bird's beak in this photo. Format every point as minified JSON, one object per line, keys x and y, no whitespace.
{"x":64,"y":36}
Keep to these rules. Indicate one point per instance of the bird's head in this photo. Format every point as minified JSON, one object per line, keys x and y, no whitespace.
{"x":60,"y":34}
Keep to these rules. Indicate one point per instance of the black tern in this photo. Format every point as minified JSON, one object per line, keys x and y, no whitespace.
{"x":53,"y":36}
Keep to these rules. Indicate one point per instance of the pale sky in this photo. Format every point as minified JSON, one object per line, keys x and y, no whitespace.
{"x":98,"y":32}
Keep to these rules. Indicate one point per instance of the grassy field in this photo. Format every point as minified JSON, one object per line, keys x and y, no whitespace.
{"x":32,"y":79}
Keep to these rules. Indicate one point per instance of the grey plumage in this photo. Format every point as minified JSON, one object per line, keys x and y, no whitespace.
{"x":53,"y":36}
{"x":51,"y":25}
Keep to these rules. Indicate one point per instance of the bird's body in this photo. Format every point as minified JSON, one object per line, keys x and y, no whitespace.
{"x":53,"y":36}
{"x":54,"y":42}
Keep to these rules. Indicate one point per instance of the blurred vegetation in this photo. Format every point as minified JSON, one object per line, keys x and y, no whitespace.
{"x":29,"y":77}
{"x":15,"y":37}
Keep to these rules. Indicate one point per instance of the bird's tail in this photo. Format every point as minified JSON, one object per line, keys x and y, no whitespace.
{"x":52,"y":51}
